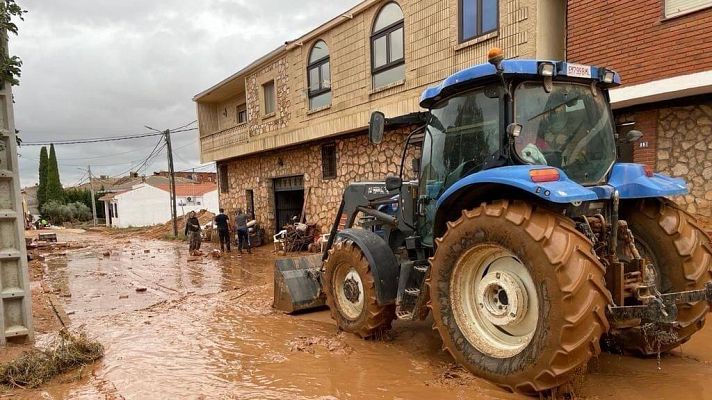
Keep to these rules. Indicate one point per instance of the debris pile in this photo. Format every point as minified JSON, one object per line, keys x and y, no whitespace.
{"x":299,"y":236}
{"x":166,"y":230}
{"x":35,"y":367}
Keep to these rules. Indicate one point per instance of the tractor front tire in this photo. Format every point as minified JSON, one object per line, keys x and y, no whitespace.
{"x":351,"y":292}
{"x":680,"y":252}
{"x":518,"y":296}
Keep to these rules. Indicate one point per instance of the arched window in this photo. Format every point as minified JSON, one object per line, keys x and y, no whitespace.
{"x":387,"y":49}
{"x":319,"y":75}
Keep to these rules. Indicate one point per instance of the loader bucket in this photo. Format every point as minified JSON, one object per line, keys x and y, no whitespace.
{"x":297,"y":284}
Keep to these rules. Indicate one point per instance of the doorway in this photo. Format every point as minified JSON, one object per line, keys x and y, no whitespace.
{"x":288,"y":199}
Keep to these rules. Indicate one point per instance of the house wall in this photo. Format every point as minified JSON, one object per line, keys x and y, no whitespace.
{"x":432,"y":52}
{"x":356,"y":159}
{"x":143,"y":206}
{"x":649,"y":51}
{"x":635,"y":39}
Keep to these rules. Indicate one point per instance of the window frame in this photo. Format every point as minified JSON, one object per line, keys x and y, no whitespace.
{"x":242,"y":108}
{"x":478,"y":28}
{"x":329,"y":160}
{"x":223,"y":179}
{"x":317,"y":64}
{"x":386,"y":31}
{"x":273,"y":83}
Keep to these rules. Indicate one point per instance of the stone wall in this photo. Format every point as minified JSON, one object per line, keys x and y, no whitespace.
{"x":356,"y":160}
{"x":684,"y":149}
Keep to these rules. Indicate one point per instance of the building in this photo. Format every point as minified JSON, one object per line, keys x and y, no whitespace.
{"x":197,"y":177}
{"x":662,"y":50}
{"x":288,"y":131}
{"x":147,"y":204}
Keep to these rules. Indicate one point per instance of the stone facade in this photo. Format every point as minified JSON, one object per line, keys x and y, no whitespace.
{"x":684,"y":149}
{"x":357,"y":160}
{"x":432,"y":51}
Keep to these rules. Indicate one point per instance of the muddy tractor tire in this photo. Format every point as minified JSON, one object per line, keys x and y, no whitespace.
{"x":518,"y":296}
{"x":351,"y":293}
{"x":680,"y":253}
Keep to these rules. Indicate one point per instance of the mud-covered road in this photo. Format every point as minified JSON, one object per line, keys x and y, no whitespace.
{"x":206,"y":329}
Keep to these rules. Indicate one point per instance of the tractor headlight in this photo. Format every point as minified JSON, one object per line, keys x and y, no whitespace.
{"x":607,"y":76}
{"x":546,"y":69}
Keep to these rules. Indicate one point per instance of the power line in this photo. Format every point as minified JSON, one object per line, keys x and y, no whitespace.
{"x":99,"y":140}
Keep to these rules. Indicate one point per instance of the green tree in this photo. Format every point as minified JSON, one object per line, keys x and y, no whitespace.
{"x":42,"y":187}
{"x":54,"y":186}
{"x":9,"y":65}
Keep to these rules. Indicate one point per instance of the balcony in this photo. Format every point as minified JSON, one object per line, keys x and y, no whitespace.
{"x":213,"y":143}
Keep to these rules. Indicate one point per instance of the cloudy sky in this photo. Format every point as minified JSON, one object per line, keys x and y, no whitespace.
{"x":97,"y":68}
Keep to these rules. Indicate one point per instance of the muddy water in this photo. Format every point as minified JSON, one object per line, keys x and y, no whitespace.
{"x":205,"y":329}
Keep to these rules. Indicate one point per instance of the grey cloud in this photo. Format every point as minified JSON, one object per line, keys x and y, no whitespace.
{"x":105,"y":68}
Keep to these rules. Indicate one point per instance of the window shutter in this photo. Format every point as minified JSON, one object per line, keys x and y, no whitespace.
{"x":676,"y":7}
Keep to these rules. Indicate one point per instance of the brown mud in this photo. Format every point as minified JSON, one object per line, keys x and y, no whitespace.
{"x":205,"y":329}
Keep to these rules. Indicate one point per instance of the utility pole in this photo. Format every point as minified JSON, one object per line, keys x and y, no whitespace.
{"x":174,"y":216}
{"x":93,"y":200}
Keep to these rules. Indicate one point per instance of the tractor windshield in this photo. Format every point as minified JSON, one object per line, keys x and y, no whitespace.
{"x":569,"y":127}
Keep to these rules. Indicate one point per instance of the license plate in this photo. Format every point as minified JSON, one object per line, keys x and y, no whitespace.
{"x":578,"y":70}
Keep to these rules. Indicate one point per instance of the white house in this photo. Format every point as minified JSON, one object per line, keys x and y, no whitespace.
{"x":145,"y":204}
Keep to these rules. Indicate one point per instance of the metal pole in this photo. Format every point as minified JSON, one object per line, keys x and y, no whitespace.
{"x":174,"y":216}
{"x":93,"y":200}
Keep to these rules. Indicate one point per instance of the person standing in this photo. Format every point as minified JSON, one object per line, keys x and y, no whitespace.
{"x":242,"y":232}
{"x":222,"y":224}
{"x":192,"y":232}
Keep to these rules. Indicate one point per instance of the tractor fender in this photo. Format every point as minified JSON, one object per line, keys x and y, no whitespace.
{"x":632,"y":182}
{"x":511,"y":182}
{"x":562,"y":191}
{"x":384,"y":265}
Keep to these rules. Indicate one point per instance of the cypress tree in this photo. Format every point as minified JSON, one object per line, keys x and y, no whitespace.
{"x":42,"y":186}
{"x":54,"y":186}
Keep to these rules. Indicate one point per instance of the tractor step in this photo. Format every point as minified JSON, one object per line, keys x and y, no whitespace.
{"x":422,"y":268}
{"x":415,"y":292}
{"x":404,"y":315}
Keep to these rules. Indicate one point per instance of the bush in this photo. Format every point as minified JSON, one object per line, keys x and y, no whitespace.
{"x":59,"y":213}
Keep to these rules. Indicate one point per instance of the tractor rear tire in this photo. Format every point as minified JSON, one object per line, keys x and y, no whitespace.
{"x":351,"y":292}
{"x":542,"y":339}
{"x":680,"y":251}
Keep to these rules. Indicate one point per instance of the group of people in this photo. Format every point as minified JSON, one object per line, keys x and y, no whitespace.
{"x":222,"y":223}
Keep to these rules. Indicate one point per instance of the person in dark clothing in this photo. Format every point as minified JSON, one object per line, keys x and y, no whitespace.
{"x":222,"y":224}
{"x":242,"y":232}
{"x":192,"y":232}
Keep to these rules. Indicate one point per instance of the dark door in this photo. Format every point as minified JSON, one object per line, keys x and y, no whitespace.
{"x":288,"y":199}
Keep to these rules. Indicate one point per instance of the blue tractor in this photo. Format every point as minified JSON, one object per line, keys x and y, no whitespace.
{"x":517,"y":230}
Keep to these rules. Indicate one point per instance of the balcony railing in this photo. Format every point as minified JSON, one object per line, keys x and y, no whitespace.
{"x":225,"y":138}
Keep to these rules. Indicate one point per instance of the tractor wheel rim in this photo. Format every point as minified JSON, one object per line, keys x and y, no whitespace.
{"x":494,"y":301}
{"x":349,"y":293}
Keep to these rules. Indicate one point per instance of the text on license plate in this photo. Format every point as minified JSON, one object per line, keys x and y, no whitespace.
{"x":578,"y":70}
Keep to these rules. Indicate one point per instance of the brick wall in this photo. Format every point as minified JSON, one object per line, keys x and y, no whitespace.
{"x":644,"y":151}
{"x":635,"y":39}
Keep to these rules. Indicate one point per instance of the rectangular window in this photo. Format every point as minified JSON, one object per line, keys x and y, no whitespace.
{"x":223,"y":179}
{"x":241,"y":114}
{"x":269,"y":96}
{"x":478,"y":17}
{"x":250,"y":203}
{"x":328,"y":161}
{"x":116,"y":210}
{"x":674,"y":8}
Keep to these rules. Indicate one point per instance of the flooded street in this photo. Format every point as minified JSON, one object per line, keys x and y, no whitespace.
{"x":206,"y":329}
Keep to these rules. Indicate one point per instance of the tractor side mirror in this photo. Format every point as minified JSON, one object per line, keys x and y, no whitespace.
{"x":393,"y":183}
{"x":633,"y":136}
{"x":416,"y":166}
{"x":376,"y":126}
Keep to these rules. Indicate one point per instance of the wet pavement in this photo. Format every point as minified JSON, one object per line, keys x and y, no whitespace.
{"x":206,"y":329}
